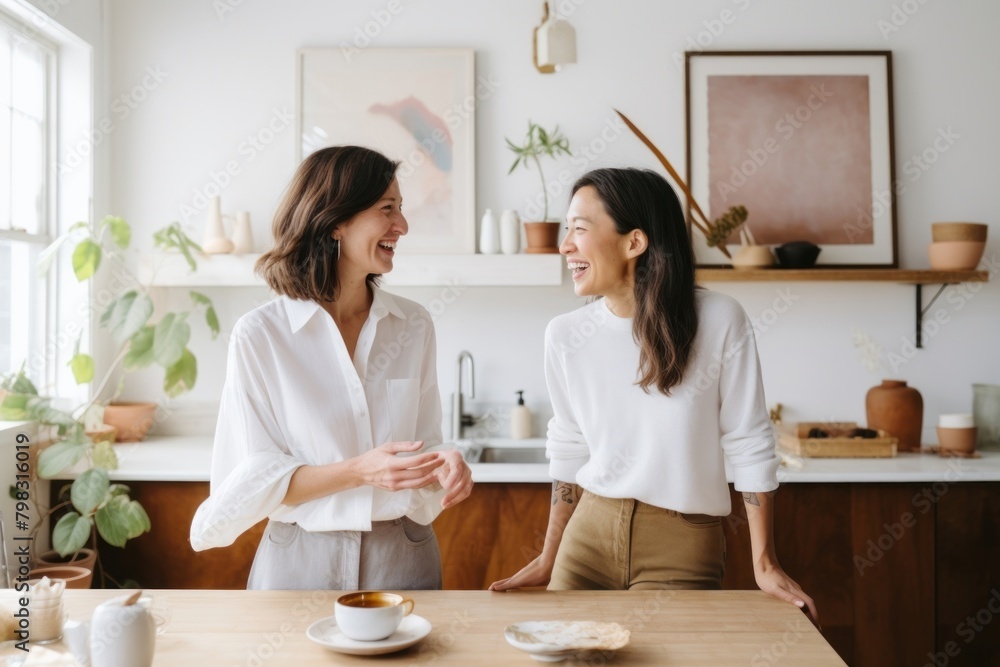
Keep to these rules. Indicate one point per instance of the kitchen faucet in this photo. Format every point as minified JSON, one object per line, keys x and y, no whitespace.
{"x":458,"y":417}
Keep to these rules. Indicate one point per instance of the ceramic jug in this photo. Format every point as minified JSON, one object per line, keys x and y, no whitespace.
{"x":242,"y":234}
{"x":897,"y":409}
{"x":214,"y":242}
{"x":119,"y":635}
{"x":489,"y":234}
{"x":510,"y":232}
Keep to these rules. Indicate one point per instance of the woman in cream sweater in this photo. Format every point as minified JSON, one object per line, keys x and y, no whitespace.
{"x":654,"y":386}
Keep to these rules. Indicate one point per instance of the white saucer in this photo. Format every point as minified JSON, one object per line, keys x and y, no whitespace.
{"x":326,"y":633}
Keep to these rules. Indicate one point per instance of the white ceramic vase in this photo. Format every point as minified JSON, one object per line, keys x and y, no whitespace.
{"x":242,"y":234}
{"x":510,"y":232}
{"x":489,"y":234}
{"x":214,"y":241}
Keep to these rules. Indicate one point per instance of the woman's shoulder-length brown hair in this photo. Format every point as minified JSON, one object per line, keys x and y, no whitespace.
{"x":329,"y":188}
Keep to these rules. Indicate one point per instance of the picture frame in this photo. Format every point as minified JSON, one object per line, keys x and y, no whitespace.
{"x":416,"y":106}
{"x":804,"y":140}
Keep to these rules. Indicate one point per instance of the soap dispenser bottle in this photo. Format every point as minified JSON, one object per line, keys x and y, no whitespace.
{"x":520,"y":419}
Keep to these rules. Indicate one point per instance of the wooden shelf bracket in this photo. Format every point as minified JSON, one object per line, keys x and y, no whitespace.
{"x":921,"y":311}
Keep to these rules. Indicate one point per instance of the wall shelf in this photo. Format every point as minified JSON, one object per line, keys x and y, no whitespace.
{"x":903,"y":276}
{"x":170,"y":270}
{"x":916,"y":277}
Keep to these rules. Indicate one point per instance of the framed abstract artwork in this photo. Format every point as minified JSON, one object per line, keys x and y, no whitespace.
{"x":803,"y":140}
{"x":416,"y":106}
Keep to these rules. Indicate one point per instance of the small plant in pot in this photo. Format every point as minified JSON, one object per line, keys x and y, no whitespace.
{"x":95,"y":505}
{"x":543,"y":236}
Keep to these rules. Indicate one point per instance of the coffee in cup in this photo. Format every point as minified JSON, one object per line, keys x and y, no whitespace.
{"x":370,"y":615}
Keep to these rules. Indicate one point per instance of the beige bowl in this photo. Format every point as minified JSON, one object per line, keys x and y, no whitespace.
{"x":958,"y":231}
{"x":955,"y":255}
{"x":753,"y":257}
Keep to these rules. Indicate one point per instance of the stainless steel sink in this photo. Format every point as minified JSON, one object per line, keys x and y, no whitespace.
{"x":512,"y":455}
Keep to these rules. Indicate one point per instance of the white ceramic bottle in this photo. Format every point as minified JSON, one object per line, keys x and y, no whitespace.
{"x":520,"y":419}
{"x":215,"y":242}
{"x":489,"y":234}
{"x":242,"y":234}
{"x":510,"y":232}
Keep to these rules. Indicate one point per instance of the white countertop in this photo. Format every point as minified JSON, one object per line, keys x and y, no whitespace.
{"x":189,"y":459}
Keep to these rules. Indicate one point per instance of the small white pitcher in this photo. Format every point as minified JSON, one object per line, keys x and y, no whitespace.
{"x":119,"y":635}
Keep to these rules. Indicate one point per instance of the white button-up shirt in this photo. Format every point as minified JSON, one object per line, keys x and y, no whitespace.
{"x":294,"y":396}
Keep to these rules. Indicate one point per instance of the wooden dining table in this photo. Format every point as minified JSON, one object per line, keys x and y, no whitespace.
{"x":268,"y":628}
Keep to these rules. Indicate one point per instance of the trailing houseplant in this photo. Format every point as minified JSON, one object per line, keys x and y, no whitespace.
{"x":97,"y":506}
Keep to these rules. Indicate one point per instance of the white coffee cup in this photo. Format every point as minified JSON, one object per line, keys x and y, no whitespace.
{"x":961,"y":420}
{"x":370,"y":615}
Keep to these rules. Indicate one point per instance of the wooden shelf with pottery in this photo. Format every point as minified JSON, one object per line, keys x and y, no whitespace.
{"x":902,"y":276}
{"x":916,"y":277}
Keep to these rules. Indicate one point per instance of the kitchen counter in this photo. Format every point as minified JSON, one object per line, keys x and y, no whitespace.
{"x":716,"y":628}
{"x":189,"y":459}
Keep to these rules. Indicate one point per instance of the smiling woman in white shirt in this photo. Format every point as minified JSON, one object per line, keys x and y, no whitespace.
{"x":654,"y":387}
{"x":330,"y":419}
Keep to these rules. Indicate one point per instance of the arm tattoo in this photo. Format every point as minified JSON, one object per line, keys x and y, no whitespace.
{"x":569,"y":493}
{"x":751,"y":499}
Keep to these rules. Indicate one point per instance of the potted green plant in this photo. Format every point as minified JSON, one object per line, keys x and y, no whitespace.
{"x":97,"y":506}
{"x":542,"y":235}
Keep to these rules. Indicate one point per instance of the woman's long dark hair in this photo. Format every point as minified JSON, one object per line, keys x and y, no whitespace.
{"x":329,"y":188}
{"x":666,"y":319}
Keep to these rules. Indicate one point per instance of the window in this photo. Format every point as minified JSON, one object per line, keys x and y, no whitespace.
{"x":27,"y":78}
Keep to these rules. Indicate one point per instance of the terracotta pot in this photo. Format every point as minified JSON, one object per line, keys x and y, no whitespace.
{"x":85,"y":558}
{"x":75,"y":577}
{"x":132,"y":420}
{"x":543,"y":237}
{"x":898,"y":410}
{"x":955,"y":255}
{"x":961,"y":440}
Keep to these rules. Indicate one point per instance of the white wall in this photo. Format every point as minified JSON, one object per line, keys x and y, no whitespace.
{"x":222,"y":77}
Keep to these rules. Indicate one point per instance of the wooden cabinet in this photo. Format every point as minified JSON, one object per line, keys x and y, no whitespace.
{"x":903,"y":574}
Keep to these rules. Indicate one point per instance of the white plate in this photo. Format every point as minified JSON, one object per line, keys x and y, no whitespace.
{"x":552,"y":641}
{"x":326,"y":633}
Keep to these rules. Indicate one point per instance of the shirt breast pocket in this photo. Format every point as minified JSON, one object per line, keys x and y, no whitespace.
{"x":404,"y":405}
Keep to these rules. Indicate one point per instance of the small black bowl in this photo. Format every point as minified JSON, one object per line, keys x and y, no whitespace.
{"x":797,"y":254}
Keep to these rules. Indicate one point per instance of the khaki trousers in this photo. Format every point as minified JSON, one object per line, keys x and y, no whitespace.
{"x":623,"y":544}
{"x":395,"y":555}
